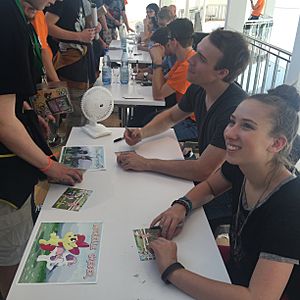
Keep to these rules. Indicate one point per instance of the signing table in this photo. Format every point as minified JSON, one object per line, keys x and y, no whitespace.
{"x":137,"y":56}
{"x":124,"y":201}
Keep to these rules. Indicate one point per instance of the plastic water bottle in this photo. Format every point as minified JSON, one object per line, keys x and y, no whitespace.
{"x":124,"y":76}
{"x":106,"y":69}
{"x":123,"y":36}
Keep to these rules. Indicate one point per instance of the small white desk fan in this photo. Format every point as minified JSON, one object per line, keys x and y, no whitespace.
{"x":97,"y":105}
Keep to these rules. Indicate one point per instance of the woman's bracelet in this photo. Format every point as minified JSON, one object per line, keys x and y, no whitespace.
{"x":184,"y":201}
{"x":50,"y":162}
{"x":169,"y":270}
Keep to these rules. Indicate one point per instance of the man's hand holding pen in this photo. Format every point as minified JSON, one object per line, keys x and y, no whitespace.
{"x":132,"y":136}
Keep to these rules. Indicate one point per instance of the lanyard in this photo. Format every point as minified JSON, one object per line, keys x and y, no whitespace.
{"x":34,"y":42}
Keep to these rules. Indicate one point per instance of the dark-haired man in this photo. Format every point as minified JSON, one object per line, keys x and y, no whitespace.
{"x":212,"y":97}
{"x":179,"y":43}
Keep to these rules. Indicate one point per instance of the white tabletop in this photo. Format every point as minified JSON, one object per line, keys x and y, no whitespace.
{"x":115,"y":53}
{"x":124,"y":201}
{"x":131,"y":94}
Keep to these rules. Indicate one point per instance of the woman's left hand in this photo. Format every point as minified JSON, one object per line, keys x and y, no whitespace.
{"x":165,"y":252}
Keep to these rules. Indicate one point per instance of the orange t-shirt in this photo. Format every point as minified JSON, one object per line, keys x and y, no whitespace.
{"x":41,"y":29}
{"x":258,"y":7}
{"x":177,"y":76}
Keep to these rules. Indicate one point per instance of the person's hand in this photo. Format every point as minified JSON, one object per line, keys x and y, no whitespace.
{"x":132,"y":161}
{"x":157,"y":52}
{"x":170,"y":221}
{"x":87,"y":35}
{"x":59,"y":173}
{"x":132,"y":136}
{"x":165,"y":252}
{"x":103,"y":44}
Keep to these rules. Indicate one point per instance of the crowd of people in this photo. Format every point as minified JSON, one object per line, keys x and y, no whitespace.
{"x":244,"y":175}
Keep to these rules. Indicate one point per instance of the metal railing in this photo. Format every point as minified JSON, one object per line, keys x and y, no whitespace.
{"x":215,"y":12}
{"x":267,"y":69}
{"x":259,"y":29}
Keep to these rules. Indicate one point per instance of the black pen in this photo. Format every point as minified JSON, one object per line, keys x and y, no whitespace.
{"x":119,"y":139}
{"x":138,"y":54}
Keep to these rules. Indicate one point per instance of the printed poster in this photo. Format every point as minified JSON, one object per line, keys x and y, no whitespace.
{"x":63,"y":253}
{"x":83,"y":157}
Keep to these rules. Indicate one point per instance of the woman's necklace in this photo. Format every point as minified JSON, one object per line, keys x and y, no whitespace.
{"x":236,"y":235}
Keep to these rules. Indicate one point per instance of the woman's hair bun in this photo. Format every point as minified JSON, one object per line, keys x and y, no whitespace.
{"x":288,"y":93}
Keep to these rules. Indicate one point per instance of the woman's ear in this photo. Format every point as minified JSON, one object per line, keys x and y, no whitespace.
{"x":278,"y":144}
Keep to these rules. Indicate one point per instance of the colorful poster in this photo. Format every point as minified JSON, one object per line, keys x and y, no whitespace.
{"x":63,"y":253}
{"x":83,"y":157}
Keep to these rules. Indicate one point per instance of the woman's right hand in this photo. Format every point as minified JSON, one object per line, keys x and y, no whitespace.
{"x":59,"y":173}
{"x":170,"y":221}
{"x":132,"y":136}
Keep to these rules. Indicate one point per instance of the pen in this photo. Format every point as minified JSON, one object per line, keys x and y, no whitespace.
{"x":138,"y":54}
{"x":119,"y":139}
{"x":122,"y":138}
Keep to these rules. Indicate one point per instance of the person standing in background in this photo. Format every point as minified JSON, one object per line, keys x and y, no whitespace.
{"x":115,"y":11}
{"x":256,"y":9}
{"x":74,"y":62}
{"x":41,"y":28}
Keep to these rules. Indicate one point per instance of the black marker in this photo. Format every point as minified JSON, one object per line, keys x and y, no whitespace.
{"x":118,"y":139}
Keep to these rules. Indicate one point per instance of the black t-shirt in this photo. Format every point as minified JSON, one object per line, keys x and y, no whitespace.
{"x":272,"y":230}
{"x":18,"y":75}
{"x":211,"y":124}
{"x":71,"y":15}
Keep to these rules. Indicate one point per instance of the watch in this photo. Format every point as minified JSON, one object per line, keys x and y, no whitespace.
{"x":155,"y":66}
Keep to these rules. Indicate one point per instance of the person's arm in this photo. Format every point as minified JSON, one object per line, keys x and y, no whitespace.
{"x":199,"y":195}
{"x":85,"y":36}
{"x":157,"y":125}
{"x":47,"y":62}
{"x":195,"y":170}
{"x":15,"y":137}
{"x":126,"y":21}
{"x":109,"y":16}
{"x":160,"y":87}
{"x":267,"y":282}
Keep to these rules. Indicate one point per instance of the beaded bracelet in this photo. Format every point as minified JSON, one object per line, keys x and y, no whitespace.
{"x":169,"y":270}
{"x":184,"y":201}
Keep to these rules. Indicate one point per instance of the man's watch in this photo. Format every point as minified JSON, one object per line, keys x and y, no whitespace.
{"x":155,"y":66}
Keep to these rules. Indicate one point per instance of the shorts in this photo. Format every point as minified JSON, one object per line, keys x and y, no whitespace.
{"x":15,"y":229}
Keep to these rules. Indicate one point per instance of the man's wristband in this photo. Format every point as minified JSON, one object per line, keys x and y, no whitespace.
{"x":169,"y":270}
{"x":184,"y":201}
{"x":155,"y":66}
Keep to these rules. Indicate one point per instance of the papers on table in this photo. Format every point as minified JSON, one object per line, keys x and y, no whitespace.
{"x":63,"y":253}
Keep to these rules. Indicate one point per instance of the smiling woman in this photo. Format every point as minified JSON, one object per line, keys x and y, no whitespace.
{"x":265,"y":200}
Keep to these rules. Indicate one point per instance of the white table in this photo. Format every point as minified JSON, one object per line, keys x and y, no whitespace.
{"x":124,"y":201}
{"x":131,"y":94}
{"x":115,"y":53}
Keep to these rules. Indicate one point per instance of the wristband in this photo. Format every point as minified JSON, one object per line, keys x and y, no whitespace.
{"x":50,"y":162}
{"x":184,"y":201}
{"x":169,"y":270}
{"x":155,"y":66}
